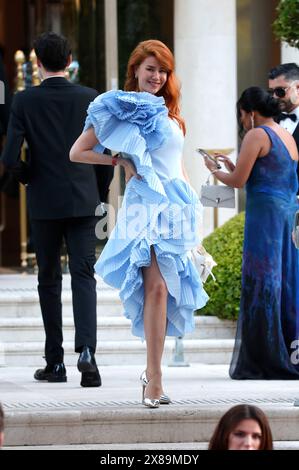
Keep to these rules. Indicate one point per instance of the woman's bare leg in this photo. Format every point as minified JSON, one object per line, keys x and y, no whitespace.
{"x":155,"y":317}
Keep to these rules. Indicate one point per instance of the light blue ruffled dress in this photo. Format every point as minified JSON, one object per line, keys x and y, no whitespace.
{"x":161,"y":210}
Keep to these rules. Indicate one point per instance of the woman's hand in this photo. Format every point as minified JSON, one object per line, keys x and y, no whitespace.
{"x":130,"y":169}
{"x":229,"y":165}
{"x":212,"y":166}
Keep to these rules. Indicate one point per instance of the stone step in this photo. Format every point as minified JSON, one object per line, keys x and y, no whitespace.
{"x":60,"y":414}
{"x":207,"y":351}
{"x":30,"y":329}
{"x":278,"y":445}
{"x":132,"y":424}
{"x":20,"y":304}
{"x":19,"y":297}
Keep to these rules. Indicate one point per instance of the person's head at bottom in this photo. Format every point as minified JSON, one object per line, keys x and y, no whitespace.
{"x":1,"y":426}
{"x":243,"y":427}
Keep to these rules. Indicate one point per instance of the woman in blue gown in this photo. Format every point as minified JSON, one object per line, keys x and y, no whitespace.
{"x":147,"y":256}
{"x":267,"y":340}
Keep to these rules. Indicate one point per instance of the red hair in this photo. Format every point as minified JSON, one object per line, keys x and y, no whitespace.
{"x":171,"y":90}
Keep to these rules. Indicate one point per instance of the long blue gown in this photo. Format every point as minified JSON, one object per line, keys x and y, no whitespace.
{"x":160,"y":212}
{"x":267,"y":340}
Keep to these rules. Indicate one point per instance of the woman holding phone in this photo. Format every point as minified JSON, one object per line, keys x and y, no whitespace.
{"x":266,"y":344}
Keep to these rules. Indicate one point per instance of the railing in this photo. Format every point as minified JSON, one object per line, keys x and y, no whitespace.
{"x":20,"y":86}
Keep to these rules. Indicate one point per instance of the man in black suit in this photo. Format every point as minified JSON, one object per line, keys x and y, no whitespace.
{"x":284,"y":85}
{"x":62,"y":198}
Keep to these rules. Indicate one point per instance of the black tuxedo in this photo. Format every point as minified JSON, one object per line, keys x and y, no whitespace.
{"x":296,"y":137}
{"x":62,"y":198}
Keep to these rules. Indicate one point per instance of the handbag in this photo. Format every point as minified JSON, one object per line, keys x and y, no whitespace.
{"x":296,"y":230}
{"x":213,"y":195}
{"x":203,"y":262}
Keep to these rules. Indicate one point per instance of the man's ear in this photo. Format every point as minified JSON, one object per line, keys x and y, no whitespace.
{"x":1,"y":439}
{"x":69,"y":61}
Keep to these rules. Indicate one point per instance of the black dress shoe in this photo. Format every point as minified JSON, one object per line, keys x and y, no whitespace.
{"x":88,"y":367}
{"x":86,"y":361}
{"x":55,"y":373}
{"x":91,"y":379}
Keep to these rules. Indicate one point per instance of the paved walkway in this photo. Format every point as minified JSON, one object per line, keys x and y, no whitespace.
{"x":202,"y":383}
{"x":198,"y":387}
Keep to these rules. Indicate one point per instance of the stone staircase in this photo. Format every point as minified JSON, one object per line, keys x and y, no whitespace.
{"x":43,"y":414}
{"x":22,"y":334}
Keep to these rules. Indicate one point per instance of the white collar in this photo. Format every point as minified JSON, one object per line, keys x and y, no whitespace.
{"x":296,"y":111}
{"x":53,"y":76}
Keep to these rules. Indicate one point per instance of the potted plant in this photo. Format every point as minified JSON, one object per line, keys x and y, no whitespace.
{"x":286,"y":25}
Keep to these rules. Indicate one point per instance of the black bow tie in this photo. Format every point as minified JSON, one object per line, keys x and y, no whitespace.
{"x":283,"y":116}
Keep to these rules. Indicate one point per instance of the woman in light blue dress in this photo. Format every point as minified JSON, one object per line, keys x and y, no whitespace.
{"x":147,"y":256}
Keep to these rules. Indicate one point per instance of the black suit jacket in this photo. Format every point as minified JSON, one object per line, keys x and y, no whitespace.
{"x":296,"y":137}
{"x":51,"y":117}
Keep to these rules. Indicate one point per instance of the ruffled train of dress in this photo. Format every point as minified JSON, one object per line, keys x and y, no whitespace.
{"x":160,"y":214}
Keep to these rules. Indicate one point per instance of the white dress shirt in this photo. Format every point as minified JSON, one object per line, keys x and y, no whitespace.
{"x":290,"y":125}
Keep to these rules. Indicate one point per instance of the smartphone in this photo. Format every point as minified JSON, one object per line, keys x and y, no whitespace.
{"x":210,"y":157}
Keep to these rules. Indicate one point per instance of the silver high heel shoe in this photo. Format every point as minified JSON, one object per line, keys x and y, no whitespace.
{"x":163,"y":400}
{"x":149,"y":402}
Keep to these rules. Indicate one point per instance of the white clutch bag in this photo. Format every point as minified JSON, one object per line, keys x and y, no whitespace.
{"x":213,"y":195}
{"x":203,"y":262}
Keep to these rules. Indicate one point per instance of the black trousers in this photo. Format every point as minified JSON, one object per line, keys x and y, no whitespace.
{"x":80,"y":240}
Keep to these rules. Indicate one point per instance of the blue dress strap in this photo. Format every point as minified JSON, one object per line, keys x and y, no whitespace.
{"x":270,"y":133}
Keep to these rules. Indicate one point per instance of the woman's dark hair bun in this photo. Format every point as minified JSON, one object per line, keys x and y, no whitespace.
{"x":272,"y":105}
{"x":258,"y":99}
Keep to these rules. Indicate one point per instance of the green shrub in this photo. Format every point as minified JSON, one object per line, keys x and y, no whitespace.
{"x":286,"y":25}
{"x":225,"y":244}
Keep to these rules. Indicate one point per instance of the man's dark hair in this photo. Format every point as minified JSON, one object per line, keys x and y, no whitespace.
{"x":53,"y":51}
{"x":1,"y":419}
{"x":289,"y":71}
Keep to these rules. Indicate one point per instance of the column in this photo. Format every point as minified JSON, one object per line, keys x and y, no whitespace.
{"x":111,"y":46}
{"x":111,"y":54}
{"x":205,"y":52}
{"x":289,"y":54}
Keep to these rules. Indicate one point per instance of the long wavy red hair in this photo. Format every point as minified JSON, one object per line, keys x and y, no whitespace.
{"x":171,"y":89}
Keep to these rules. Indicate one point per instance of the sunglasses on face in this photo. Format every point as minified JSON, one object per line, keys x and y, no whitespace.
{"x":279,"y":91}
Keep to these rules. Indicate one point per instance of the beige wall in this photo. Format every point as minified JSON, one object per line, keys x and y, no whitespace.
{"x":257,"y":49}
